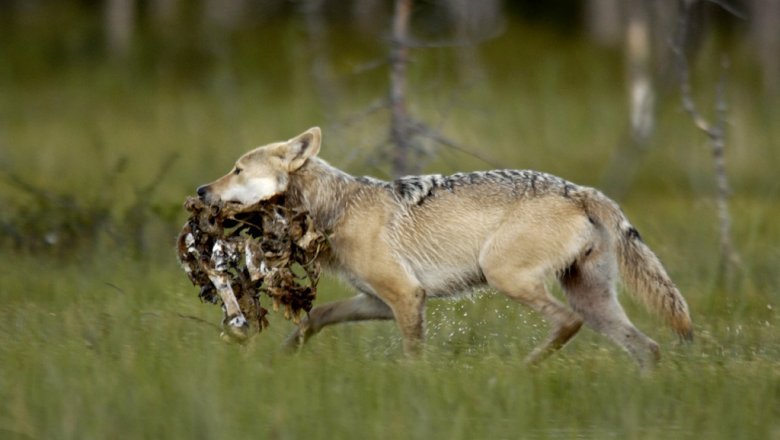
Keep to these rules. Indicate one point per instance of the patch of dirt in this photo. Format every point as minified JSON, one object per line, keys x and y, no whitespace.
{"x":267,"y":248}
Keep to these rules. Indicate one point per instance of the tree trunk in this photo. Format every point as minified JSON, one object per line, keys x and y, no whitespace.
{"x":319,"y":53}
{"x":225,"y":14}
{"x":604,"y":21}
{"x":765,"y":32}
{"x":119,"y":20}
{"x":399,"y":122}
{"x":473,"y":21}
{"x":164,"y":12}
{"x":716,"y":133}
{"x":638,"y":63}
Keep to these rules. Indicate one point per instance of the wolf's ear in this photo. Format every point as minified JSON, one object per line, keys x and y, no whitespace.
{"x":302,"y":147}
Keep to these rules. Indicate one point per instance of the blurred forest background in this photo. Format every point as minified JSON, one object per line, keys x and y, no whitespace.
{"x":113,"y":111}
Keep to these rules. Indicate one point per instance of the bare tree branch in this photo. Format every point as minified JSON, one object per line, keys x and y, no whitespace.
{"x":458,"y":42}
{"x":715,"y":131}
{"x":376,"y":106}
{"x":405,"y":133}
{"x":162,"y":172}
{"x":424,"y":130}
{"x":368,"y":66}
{"x":731,"y":9}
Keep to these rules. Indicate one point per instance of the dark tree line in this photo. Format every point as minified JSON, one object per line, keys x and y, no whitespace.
{"x":602,"y":20}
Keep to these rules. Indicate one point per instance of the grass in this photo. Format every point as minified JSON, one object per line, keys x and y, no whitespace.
{"x":91,"y":356}
{"x":100,"y":342}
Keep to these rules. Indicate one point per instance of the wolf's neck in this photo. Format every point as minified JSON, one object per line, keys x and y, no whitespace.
{"x":323,"y":191}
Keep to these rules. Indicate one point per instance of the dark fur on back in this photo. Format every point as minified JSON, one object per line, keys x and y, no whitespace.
{"x":414,"y":190}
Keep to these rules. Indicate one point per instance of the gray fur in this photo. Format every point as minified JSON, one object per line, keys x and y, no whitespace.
{"x":414,"y":190}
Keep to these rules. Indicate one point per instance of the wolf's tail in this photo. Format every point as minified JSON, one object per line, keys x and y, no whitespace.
{"x":641,"y":270}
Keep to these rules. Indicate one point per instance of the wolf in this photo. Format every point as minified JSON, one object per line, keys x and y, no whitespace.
{"x":401,"y":242}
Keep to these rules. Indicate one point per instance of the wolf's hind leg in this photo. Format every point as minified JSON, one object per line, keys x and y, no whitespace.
{"x":560,"y":334}
{"x":529,"y":289}
{"x":523,"y":252}
{"x":591,"y":292}
{"x":361,"y":307}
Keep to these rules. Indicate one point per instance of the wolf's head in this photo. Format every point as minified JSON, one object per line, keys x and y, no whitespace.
{"x":263,"y":172}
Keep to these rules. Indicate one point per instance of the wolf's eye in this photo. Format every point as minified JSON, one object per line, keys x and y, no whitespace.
{"x":237,"y":171}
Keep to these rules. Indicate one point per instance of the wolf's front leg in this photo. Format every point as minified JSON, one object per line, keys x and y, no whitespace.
{"x":362,"y":307}
{"x":409,"y":312}
{"x":394,"y":284}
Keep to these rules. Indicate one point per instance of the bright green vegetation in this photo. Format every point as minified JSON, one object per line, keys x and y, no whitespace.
{"x":106,"y":338}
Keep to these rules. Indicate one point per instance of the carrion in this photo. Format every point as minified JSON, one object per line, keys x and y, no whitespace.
{"x":230,"y":250}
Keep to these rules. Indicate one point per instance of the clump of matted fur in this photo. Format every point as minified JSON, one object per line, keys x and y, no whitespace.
{"x":266,"y":248}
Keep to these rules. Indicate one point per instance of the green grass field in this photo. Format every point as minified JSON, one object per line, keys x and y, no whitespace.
{"x":104,"y":337}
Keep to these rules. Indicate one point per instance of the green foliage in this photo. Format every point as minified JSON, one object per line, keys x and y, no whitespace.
{"x":106,"y":337}
{"x":94,"y":348}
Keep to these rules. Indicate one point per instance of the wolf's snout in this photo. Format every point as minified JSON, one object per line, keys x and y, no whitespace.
{"x":202,"y":191}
